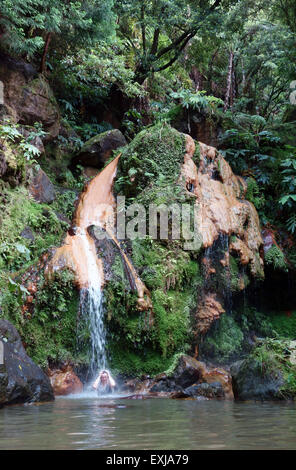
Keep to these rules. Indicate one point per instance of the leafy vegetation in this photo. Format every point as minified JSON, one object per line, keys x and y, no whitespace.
{"x":221,"y":70}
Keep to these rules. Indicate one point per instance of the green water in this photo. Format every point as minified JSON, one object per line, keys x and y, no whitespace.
{"x":87,"y":422}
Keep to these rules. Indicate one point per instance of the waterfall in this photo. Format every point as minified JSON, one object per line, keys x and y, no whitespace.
{"x":91,"y":308}
{"x":78,"y":253}
{"x":91,"y":303}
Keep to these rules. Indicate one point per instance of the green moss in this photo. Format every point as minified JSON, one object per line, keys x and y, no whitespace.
{"x":50,"y":333}
{"x":21,"y":211}
{"x":273,"y":356}
{"x":196,"y":155}
{"x":173,"y":279}
{"x":155,"y":151}
{"x":229,"y":337}
{"x":254,"y":194}
{"x":276,"y":258}
{"x":225,"y":340}
{"x":131,"y":363}
{"x":172,"y":321}
{"x":284,"y":324}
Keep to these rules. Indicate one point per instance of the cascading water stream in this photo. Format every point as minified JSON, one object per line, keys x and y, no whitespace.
{"x":78,"y":253}
{"x":91,"y":305}
{"x":91,"y":308}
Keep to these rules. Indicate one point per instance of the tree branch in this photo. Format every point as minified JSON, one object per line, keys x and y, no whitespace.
{"x":154,"y":45}
{"x":190,"y":32}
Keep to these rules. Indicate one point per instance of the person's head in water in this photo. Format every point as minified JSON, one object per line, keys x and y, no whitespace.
{"x":104,"y":379}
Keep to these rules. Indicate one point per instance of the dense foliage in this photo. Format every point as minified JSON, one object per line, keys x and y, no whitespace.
{"x":223,"y":71}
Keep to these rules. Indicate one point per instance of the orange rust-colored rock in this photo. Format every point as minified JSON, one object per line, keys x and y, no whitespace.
{"x":224,"y":378}
{"x":221,"y":207}
{"x":96,"y":207}
{"x":209,"y":310}
{"x":64,"y":381}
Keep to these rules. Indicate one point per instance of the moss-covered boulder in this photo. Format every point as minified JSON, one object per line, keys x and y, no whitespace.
{"x":268,"y":373}
{"x":154,"y":157}
{"x":12,"y":164}
{"x":96,"y":151}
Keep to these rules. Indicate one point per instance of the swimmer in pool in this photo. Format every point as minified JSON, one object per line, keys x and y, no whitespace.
{"x":104,"y":383}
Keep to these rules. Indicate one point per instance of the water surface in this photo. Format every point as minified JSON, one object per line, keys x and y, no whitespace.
{"x":89,"y":422}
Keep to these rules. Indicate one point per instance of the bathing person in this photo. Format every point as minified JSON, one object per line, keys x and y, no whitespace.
{"x":104,"y":383}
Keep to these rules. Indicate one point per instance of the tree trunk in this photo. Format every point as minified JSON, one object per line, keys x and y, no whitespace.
{"x":45,"y":50}
{"x":233,"y":85}
{"x":229,"y":81}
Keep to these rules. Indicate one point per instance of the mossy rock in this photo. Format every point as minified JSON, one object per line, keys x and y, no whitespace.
{"x":276,"y":258}
{"x":268,"y":372}
{"x":155,"y":152}
{"x":97,"y":150}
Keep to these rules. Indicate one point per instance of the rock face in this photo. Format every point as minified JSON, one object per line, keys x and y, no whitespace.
{"x":192,"y":378}
{"x":64,"y":381}
{"x":223,"y":217}
{"x":28,"y":97}
{"x":221,"y":204}
{"x":96,"y":151}
{"x":11,"y":169}
{"x":251,"y":383}
{"x":208,"y":311}
{"x":21,"y":380}
{"x":41,"y":188}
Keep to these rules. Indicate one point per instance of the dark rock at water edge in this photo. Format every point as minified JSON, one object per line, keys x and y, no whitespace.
{"x":187,"y":372}
{"x":21,"y":380}
{"x":251,"y":382}
{"x":213,"y":390}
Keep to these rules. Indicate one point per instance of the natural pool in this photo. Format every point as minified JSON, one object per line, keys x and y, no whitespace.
{"x":88,"y":422}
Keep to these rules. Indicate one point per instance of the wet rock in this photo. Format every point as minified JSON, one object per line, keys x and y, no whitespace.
{"x":192,"y":378}
{"x":96,"y":151}
{"x":187,"y":372}
{"x":63,"y":218}
{"x":64,"y":381}
{"x":165,"y":385}
{"x":3,"y":384}
{"x":28,"y":234}
{"x":28,"y":97}
{"x":41,"y":188}
{"x":21,"y":380}
{"x":213,"y":390}
{"x":208,"y":311}
{"x":218,"y":375}
{"x":37,"y":141}
{"x":89,"y":172}
{"x":222,"y":208}
{"x":250,"y":382}
{"x":268,"y":239}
